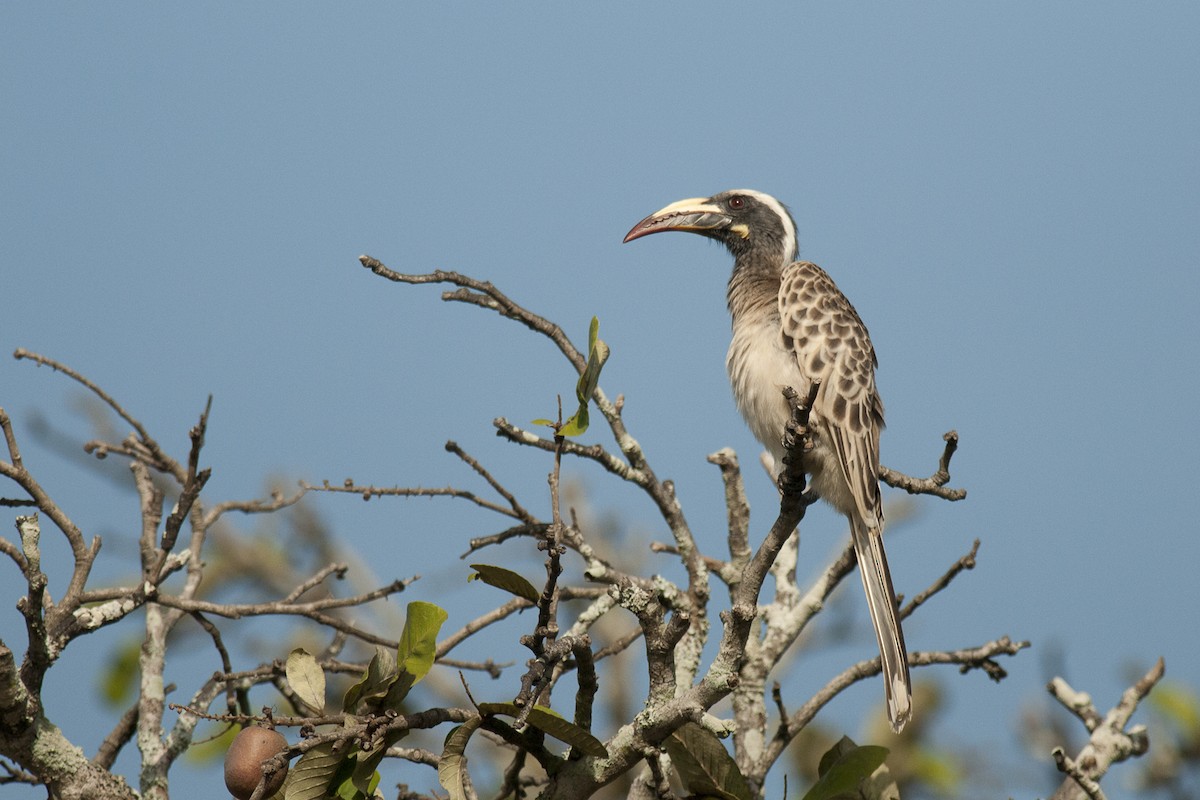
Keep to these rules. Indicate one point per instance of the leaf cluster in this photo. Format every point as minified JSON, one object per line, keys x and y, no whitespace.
{"x":330,"y":768}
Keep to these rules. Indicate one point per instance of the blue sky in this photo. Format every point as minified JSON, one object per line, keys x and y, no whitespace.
{"x":1007,"y":192}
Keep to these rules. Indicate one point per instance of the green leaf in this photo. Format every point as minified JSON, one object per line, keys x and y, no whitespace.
{"x":343,"y":780}
{"x":704,"y":765}
{"x":379,"y":675}
{"x":843,"y":769}
{"x":507,"y":580}
{"x":576,"y":424}
{"x":589,"y":379}
{"x":418,"y":641}
{"x":840,"y":748}
{"x":306,"y":678}
{"x":452,"y":766}
{"x":311,"y":777}
{"x":347,"y":791}
{"x":397,"y":691}
{"x":547,"y":721}
{"x":418,"y":647}
{"x":366,"y":768}
{"x":376,"y":779}
{"x":597,"y":354}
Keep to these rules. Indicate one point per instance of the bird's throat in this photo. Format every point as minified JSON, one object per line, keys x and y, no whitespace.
{"x":753,"y":289}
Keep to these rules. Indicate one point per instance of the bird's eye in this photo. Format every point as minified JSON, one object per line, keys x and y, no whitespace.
{"x":737,"y":201}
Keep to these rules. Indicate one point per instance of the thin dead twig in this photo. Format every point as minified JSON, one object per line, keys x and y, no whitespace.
{"x":965,"y":563}
{"x":935,"y":484}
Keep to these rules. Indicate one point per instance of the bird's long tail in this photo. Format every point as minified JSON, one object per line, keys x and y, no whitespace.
{"x":881,"y":600}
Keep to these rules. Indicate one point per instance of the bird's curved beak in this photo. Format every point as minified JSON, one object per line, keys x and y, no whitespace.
{"x":696,"y":214}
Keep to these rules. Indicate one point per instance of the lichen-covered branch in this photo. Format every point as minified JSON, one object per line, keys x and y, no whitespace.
{"x":1110,"y":741}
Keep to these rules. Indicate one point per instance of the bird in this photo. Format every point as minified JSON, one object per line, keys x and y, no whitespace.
{"x":793,"y":326}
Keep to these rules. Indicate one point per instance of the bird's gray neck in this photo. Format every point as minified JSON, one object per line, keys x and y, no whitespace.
{"x":754,"y":288}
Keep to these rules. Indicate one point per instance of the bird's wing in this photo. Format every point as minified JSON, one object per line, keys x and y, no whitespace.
{"x":832,"y":345}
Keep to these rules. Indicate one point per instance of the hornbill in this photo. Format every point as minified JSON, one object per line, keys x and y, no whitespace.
{"x":792,"y":326}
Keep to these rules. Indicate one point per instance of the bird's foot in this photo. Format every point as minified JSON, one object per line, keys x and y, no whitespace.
{"x":797,"y":441}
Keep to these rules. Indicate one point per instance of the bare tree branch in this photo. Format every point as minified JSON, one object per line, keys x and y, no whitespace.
{"x":485,"y":295}
{"x":518,"y":510}
{"x":1109,"y":743}
{"x":737,"y":510}
{"x":685,"y":679}
{"x":157,"y":455}
{"x":278,"y":501}
{"x":965,"y":563}
{"x":935,"y":484}
{"x":968,"y":658}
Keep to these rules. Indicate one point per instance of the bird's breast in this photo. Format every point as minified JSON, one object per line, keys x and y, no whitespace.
{"x":759,"y":367}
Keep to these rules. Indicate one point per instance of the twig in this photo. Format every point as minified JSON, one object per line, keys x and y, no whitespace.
{"x":510,"y":786}
{"x":597,"y":568}
{"x":118,"y":737}
{"x":535,"y":683}
{"x":524,"y":529}
{"x":32,"y":606}
{"x":367,"y":492}
{"x":1068,"y":767}
{"x":10,"y":440}
{"x":11,"y":502}
{"x":965,"y":563}
{"x":493,"y":669}
{"x":14,"y":774}
{"x":158,"y":457}
{"x":518,"y":510}
{"x":313,"y":610}
{"x":780,"y":708}
{"x":969,"y":658}
{"x":337,"y":570}
{"x":592,"y":452}
{"x":415,"y":754}
{"x":589,"y":685}
{"x":150,"y":498}
{"x":12,"y":551}
{"x":281,"y":607}
{"x":84,"y":555}
{"x":479,"y":623}
{"x":193,"y":484}
{"x":278,"y":501}
{"x":232,"y":696}
{"x":935,"y":484}
{"x":737,"y":508}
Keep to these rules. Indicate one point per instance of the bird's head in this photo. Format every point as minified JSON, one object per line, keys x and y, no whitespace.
{"x":751,"y":224}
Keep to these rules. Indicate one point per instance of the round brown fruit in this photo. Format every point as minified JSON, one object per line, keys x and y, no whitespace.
{"x":243,"y":761}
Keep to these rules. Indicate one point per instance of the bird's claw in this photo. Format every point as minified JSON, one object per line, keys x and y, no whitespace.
{"x":797,"y":440}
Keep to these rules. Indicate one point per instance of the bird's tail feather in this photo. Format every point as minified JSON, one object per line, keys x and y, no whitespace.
{"x":881,"y":600}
